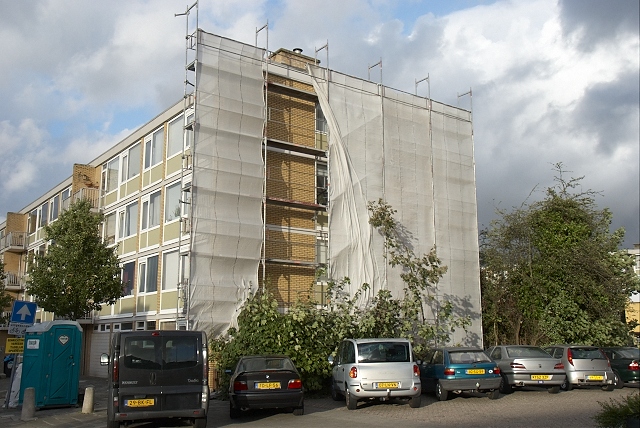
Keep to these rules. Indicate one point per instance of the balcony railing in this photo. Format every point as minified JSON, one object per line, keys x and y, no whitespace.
{"x":91,"y":194}
{"x":14,"y":282}
{"x":14,"y":241}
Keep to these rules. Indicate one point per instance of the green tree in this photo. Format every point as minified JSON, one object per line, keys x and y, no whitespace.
{"x":552,"y":272}
{"x":79,"y":272}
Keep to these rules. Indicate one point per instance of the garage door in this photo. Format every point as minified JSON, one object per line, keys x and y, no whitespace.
{"x":99,"y":345}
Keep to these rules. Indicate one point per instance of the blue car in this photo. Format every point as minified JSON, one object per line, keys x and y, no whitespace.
{"x":453,"y":370}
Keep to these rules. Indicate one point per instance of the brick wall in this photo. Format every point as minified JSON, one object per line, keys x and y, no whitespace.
{"x":290,"y":283}
{"x":291,"y":119}
{"x":290,"y":177}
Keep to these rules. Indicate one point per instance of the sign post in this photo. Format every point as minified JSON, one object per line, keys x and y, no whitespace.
{"x":23,"y":316}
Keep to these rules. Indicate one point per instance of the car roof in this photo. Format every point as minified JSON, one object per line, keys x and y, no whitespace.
{"x":385,"y":339}
{"x":246,"y":357}
{"x":462,"y":348}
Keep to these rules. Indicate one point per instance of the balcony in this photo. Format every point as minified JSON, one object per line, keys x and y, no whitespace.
{"x":91,"y":194}
{"x":14,"y":282}
{"x":14,"y":242}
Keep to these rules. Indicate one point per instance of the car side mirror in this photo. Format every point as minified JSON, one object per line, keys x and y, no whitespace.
{"x":330,"y":359}
{"x":104,"y":359}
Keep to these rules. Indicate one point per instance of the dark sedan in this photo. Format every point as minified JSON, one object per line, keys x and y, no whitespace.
{"x":625,"y":362}
{"x":265,"y":382}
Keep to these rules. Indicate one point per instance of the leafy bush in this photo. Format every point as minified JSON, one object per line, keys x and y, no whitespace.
{"x":616,"y":413}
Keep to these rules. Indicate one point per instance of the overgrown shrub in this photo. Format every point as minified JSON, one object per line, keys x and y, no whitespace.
{"x":617,"y":413}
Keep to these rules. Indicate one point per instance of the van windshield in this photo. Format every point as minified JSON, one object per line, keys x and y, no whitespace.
{"x":381,"y":352}
{"x":155,"y":353}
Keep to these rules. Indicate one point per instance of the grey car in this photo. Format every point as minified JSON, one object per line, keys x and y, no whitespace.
{"x":584,"y":365}
{"x":524,"y":365}
{"x":375,"y":369}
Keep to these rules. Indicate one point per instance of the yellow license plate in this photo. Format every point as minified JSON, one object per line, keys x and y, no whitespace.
{"x":595,"y":377}
{"x":268,"y":385}
{"x":387,"y":385}
{"x":475,"y":371}
{"x":540,"y":377}
{"x":146,"y":402}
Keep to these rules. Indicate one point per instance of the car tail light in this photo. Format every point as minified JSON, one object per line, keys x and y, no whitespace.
{"x":353,"y":373}
{"x":559,"y":366}
{"x":115,"y":374}
{"x":295,"y":384}
{"x":570,"y":356}
{"x":517,"y":366}
{"x":205,"y":366}
{"x":240,"y":386}
{"x":496,"y":370}
{"x":416,"y":370}
{"x":633,"y":365}
{"x":449,"y":372}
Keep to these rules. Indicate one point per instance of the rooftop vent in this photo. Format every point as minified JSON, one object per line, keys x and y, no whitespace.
{"x":297,"y":50}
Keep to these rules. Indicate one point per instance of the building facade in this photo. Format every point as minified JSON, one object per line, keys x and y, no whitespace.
{"x":260,"y":177}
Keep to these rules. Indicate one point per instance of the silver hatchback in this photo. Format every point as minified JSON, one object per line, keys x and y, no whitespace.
{"x":584,"y":365}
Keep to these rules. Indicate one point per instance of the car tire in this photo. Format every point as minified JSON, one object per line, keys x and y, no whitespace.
{"x":494,"y":394}
{"x":617,"y":382}
{"x":415,"y":402}
{"x":200,"y":423}
{"x":352,"y":402}
{"x":113,"y":424}
{"x":609,"y":387}
{"x":233,"y":412}
{"x":566,"y":385}
{"x":554,"y":389}
{"x":505,"y":386}
{"x":441,"y":393}
{"x":335,"y":395}
{"x":299,"y":411}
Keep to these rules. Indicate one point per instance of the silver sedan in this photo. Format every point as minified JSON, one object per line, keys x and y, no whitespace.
{"x":524,"y":365}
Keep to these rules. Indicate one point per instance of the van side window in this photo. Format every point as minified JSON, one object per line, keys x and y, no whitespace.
{"x":140,"y":354}
{"x":180,"y":353}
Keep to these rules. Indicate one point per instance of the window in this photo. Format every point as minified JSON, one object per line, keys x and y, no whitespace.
{"x":110,"y":228}
{"x":321,"y":121}
{"x":153,"y":149}
{"x":189,"y":139}
{"x":130,"y":163}
{"x":175,"y":137}
{"x":172,"y":202}
{"x":33,"y":221}
{"x":110,"y":175}
{"x":148,"y":275}
{"x":44,"y":214}
{"x":128,"y":271}
{"x":66,"y":194}
{"x":170,"y":274}
{"x":322,"y":182}
{"x":55,"y":206}
{"x":127,"y":219}
{"x":151,"y":211}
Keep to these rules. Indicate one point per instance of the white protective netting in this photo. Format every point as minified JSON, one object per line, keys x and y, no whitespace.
{"x":227,"y":186}
{"x":380,"y":147}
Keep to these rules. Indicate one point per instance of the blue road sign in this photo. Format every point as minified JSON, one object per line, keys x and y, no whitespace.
{"x":24,"y":312}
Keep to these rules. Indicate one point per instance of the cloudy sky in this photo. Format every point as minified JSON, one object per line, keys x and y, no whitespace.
{"x":552,"y":81}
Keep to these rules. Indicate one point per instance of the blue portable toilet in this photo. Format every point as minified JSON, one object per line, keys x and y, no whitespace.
{"x":51,"y":363}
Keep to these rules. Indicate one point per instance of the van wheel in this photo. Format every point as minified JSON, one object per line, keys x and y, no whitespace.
{"x":113,"y":424}
{"x":200,"y":423}
{"x":352,"y":402}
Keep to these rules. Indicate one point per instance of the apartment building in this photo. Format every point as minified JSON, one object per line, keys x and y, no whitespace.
{"x":260,"y":177}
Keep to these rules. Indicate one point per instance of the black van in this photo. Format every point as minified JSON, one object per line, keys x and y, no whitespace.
{"x":157,"y":375}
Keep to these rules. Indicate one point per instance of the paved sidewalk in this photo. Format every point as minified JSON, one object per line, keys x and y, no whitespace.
{"x":67,"y":417}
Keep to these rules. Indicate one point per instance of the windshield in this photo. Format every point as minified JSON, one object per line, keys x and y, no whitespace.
{"x":468,"y":357}
{"x":527,"y":352}
{"x":253,"y":364}
{"x":381,"y":352}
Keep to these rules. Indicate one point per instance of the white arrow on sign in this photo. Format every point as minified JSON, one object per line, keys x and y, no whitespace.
{"x":24,"y":312}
